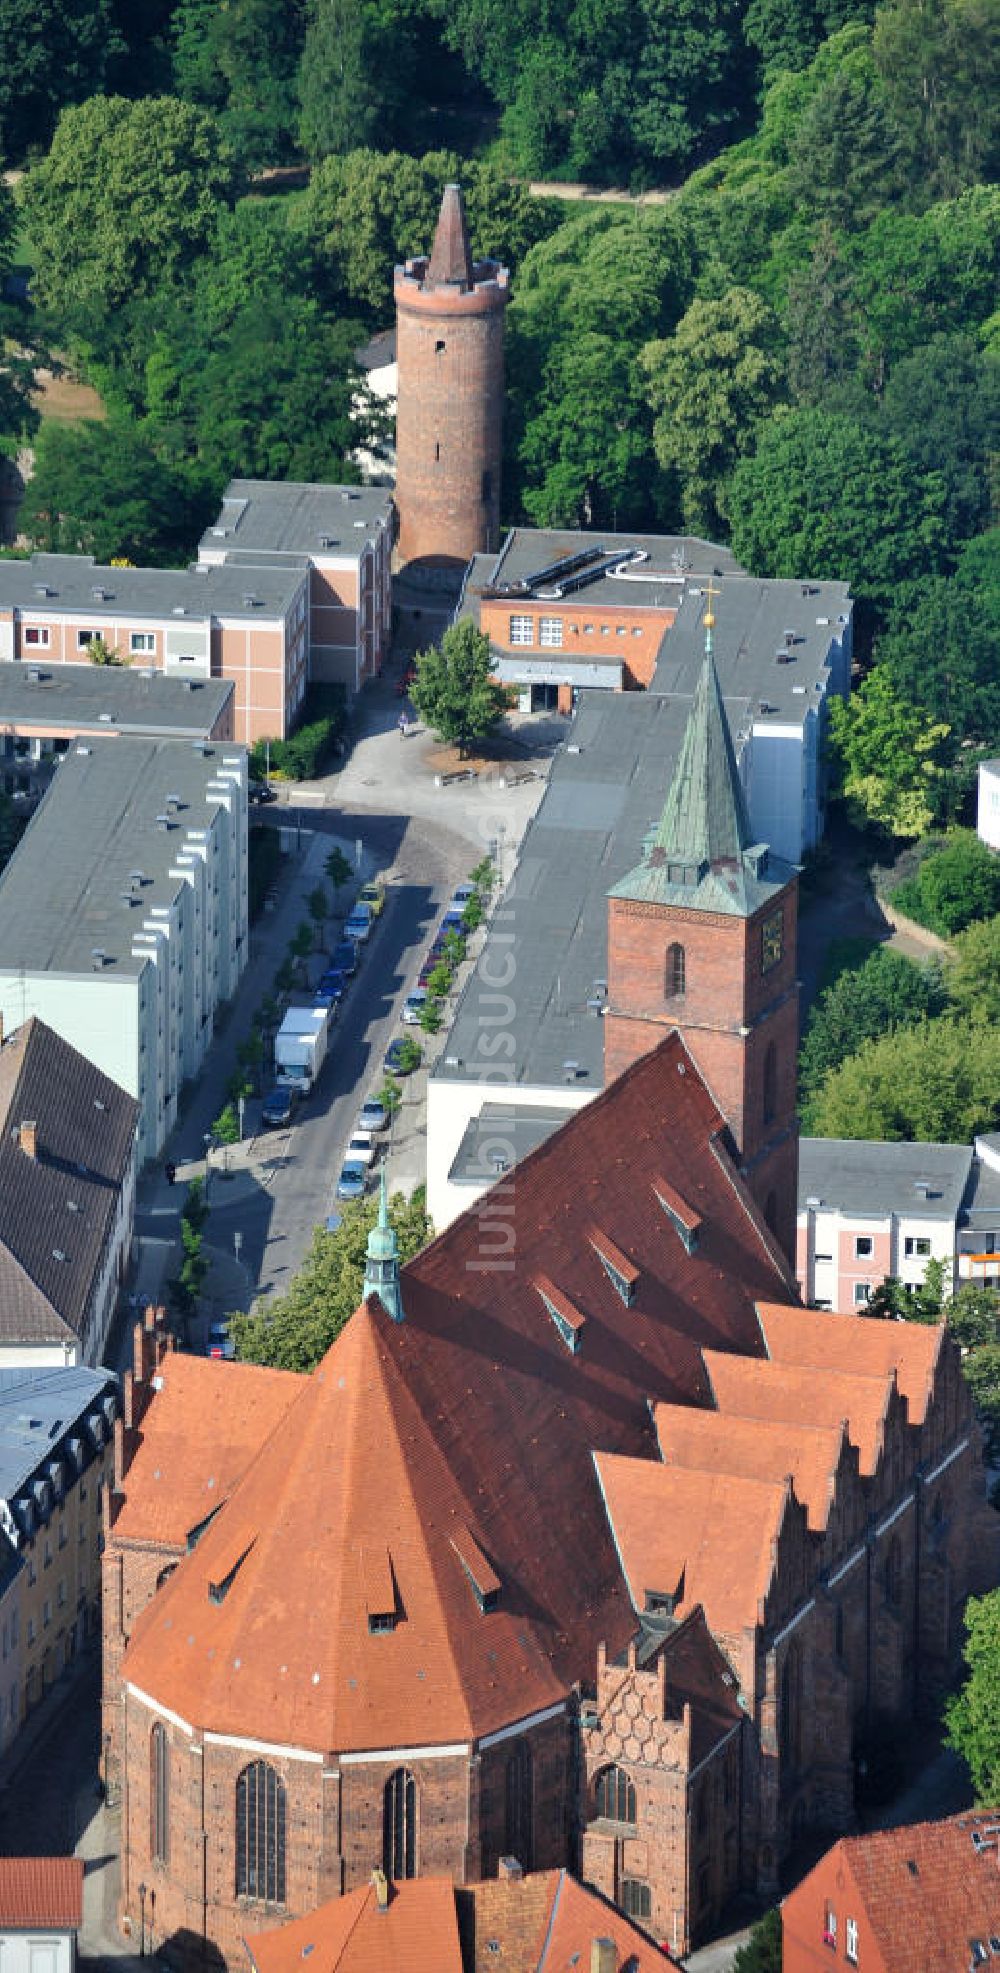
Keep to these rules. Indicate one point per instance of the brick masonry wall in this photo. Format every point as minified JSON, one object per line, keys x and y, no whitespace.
{"x":449,"y":421}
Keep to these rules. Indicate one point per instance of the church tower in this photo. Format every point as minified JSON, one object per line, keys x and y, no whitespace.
{"x":382,"y":1260}
{"x":702,"y":938}
{"x":449,"y":416}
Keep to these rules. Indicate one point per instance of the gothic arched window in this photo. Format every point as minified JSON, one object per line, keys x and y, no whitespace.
{"x":260,"y":1834}
{"x":399,"y":1825}
{"x":159,"y":1795}
{"x":675,"y":973}
{"x":615,"y":1795}
{"x":519,"y":1805}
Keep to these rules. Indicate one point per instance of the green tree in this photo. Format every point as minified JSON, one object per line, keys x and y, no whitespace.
{"x":441,"y":980}
{"x":356,"y":74}
{"x":338,"y":869}
{"x":127,"y":198}
{"x":973,"y":1315}
{"x":762,"y":1951}
{"x":941,"y":63}
{"x":938,"y":1083}
{"x":302,"y":945}
{"x":52,"y":52}
{"x":972,"y":975}
{"x":318,"y":903}
{"x":893,"y":1301}
{"x":720,"y":373}
{"x":100,"y":653}
{"x":943,"y":404}
{"x":390,"y":1095}
{"x":226,"y":1128}
{"x":822,"y":492}
{"x":887,"y":757}
{"x":849,"y":156}
{"x":956,"y":883}
{"x":586,"y":445}
{"x":822,"y":340}
{"x":99,"y":489}
{"x":430,"y":1015}
{"x":942,"y":652}
{"x":972,"y":1716}
{"x":887,"y":992}
{"x":410,"y":1055}
{"x":294,"y":1330}
{"x":454,"y":690}
{"x":250,"y":1055}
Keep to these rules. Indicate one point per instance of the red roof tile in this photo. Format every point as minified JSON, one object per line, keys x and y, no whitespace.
{"x":793,"y":1395}
{"x":927,"y":1891}
{"x":46,"y":1892}
{"x":417,"y":1933}
{"x":756,"y":1449}
{"x":818,"y":1340}
{"x":206,"y":1422}
{"x":702,"y":1538}
{"x":472,"y":1413}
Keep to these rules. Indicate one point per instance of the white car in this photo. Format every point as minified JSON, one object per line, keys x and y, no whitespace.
{"x":412,"y":1005}
{"x":360,"y":1150}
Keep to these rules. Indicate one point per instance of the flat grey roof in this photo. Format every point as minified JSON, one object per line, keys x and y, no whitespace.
{"x":61,"y":895}
{"x":870,"y":1180}
{"x":674,"y":559}
{"x":288,"y":517}
{"x":498,"y":1138}
{"x":38,"y":1408}
{"x":755,"y":619}
{"x":126,"y":697}
{"x":49,"y":585}
{"x":587,"y":833}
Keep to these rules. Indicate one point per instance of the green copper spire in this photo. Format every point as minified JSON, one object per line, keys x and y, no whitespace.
{"x":704,"y":820}
{"x":382,"y":1262}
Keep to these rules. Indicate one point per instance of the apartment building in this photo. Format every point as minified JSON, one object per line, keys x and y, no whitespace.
{"x":123,"y":913}
{"x":868,"y":1211}
{"x":988,"y":803}
{"x":43,"y":708}
{"x":291,"y":585}
{"x":56,"y":1434}
{"x":67,"y":1200}
{"x":342,"y":536}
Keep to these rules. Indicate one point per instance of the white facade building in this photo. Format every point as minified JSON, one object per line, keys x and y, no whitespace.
{"x":869,"y":1212}
{"x":988,"y":804}
{"x":123,"y":913}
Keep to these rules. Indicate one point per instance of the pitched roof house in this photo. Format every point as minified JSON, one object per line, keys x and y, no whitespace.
{"x":926,"y":1895}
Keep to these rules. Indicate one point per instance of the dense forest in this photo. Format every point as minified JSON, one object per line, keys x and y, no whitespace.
{"x":797,"y":348}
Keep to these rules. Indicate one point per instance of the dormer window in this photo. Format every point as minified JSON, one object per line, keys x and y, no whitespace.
{"x":381,"y":1601}
{"x":568,"y":1321}
{"x":679,"y":1213}
{"x":624,"y":1278}
{"x":483,"y":1577}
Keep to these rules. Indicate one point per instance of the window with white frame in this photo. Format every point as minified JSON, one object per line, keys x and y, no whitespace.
{"x":84,"y":638}
{"x":37,"y":635}
{"x":142,"y":643}
{"x":862,"y":1291}
{"x":916,"y":1244}
{"x":863,"y":1246}
{"x":521,"y":631}
{"x":851,"y":1940}
{"x":550,"y":632}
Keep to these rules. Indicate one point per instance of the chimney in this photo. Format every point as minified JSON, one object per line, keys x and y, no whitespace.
{"x":29,"y":1139}
{"x":380,"y":1885}
{"x":603,"y":1956}
{"x":510,"y":1870}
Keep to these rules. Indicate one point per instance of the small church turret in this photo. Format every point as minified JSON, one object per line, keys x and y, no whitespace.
{"x":382,"y":1260}
{"x":702,"y":937}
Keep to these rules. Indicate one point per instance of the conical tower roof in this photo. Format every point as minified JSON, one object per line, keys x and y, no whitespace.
{"x":701,"y":852}
{"x":382,"y":1259}
{"x":450,"y":264}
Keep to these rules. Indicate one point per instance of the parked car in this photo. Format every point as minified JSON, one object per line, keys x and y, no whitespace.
{"x":358,"y":926}
{"x":351,"y":1183}
{"x":412,"y":1004}
{"x":373,"y":1115}
{"x":428,"y":968}
{"x":220,"y":1342}
{"x":373,"y":895}
{"x":333,"y":982}
{"x":360,"y":1150}
{"x":396,"y":1056}
{"x":460,"y":896}
{"x":452,"y":920}
{"x":345,"y":957}
{"x":278,"y":1106}
{"x":329,"y":1002}
{"x":261,"y":791}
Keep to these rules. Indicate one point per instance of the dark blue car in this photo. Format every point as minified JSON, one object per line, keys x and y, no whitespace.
{"x":345,"y":957}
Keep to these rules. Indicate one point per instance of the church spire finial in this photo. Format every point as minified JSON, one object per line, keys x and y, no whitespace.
{"x":382,"y":1259}
{"x":709,"y":617}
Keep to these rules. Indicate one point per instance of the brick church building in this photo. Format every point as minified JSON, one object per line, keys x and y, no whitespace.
{"x":589,"y":1546}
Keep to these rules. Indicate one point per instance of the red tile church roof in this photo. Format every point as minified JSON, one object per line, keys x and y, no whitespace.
{"x":472,"y":1414}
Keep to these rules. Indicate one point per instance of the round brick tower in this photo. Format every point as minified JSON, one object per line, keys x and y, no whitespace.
{"x":449,"y":349}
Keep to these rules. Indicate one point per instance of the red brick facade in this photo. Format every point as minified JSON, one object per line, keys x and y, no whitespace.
{"x":738,"y":1016}
{"x":449,"y":416}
